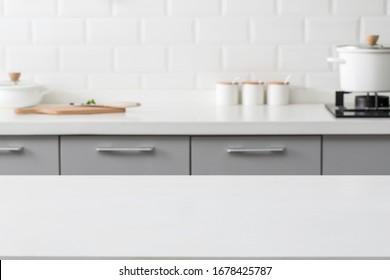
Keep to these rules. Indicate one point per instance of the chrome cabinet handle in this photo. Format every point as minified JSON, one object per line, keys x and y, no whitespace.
{"x":11,"y":149}
{"x":256,"y":150}
{"x":127,"y":150}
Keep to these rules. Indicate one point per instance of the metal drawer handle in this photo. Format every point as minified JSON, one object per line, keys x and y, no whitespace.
{"x":127,"y":150}
{"x":263,"y":150}
{"x":11,"y":149}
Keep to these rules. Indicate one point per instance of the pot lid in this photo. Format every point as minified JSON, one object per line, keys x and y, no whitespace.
{"x":9,"y":85}
{"x":370,"y":46}
{"x":14,"y":83}
{"x":363,"y":47}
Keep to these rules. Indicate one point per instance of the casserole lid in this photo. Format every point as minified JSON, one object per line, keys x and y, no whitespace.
{"x":8,"y":85}
{"x":371,"y":46}
{"x":363,"y":47}
{"x":15,"y":84}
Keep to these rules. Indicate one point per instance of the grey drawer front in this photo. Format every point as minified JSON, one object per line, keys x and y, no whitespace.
{"x":166,"y":155}
{"x":356,"y":155}
{"x":29,"y":155}
{"x":302,"y":155}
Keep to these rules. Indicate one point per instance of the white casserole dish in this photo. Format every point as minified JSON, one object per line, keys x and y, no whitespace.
{"x":363,"y":68}
{"x":20,"y":95}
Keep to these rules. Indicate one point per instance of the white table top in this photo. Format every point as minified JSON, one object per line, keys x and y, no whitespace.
{"x":132,"y":217}
{"x":154,"y":119}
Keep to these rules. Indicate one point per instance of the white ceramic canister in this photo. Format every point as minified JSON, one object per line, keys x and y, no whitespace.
{"x":227,"y":93}
{"x":252,"y":93}
{"x":278,"y":93}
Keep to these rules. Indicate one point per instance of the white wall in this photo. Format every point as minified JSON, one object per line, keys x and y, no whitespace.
{"x":183,"y":44}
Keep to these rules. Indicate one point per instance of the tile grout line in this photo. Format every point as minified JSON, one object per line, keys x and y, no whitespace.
{"x":224,"y":8}
{"x":112,"y":8}
{"x":277,"y":8}
{"x":168,"y":58}
{"x":331,"y":7}
{"x":306,"y":31}
{"x":167,"y":7}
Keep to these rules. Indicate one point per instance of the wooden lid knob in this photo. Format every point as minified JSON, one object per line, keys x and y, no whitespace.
{"x":372,"y":39}
{"x":14,"y":76}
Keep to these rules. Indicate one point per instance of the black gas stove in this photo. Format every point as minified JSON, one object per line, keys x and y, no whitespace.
{"x":366,"y":106}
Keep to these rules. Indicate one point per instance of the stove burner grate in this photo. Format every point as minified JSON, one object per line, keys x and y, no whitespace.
{"x":366,"y":106}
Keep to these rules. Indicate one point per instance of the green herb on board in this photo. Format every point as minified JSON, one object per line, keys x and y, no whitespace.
{"x":91,"y":102}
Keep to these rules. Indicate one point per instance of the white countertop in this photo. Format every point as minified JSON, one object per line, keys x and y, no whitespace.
{"x":248,"y":216}
{"x":162,"y":119}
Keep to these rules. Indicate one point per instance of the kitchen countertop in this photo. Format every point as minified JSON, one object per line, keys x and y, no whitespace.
{"x":162,"y":119}
{"x":212,"y":216}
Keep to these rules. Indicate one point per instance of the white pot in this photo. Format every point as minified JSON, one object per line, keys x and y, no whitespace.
{"x":20,"y":95}
{"x":363,"y":68}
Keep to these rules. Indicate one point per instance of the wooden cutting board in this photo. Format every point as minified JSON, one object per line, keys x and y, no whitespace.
{"x":74,"y":110}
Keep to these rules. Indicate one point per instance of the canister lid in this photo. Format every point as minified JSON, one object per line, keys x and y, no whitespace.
{"x":226,"y":83}
{"x":252,"y":83}
{"x":277,"y":83}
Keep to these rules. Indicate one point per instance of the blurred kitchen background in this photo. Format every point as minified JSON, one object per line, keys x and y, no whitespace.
{"x":186,"y":45}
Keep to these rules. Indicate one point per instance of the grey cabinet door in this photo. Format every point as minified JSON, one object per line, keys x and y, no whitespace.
{"x":29,"y":155}
{"x":356,"y":155}
{"x":125,"y":155}
{"x":253,"y":155}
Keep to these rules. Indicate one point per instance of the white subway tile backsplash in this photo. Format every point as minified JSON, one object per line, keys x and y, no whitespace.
{"x":59,"y":32}
{"x":32,"y":59}
{"x":15,"y":31}
{"x":113,"y":31}
{"x":208,"y":80}
{"x":86,"y":59}
{"x":304,"y":58}
{"x":196,"y":59}
{"x":169,"y":81}
{"x":332,"y":30}
{"x":192,"y":8}
{"x":248,"y":7}
{"x":304,"y":7}
{"x":168,"y":31}
{"x":249,"y":59}
{"x":141,"y":59}
{"x":30,"y":7}
{"x":84,"y":8}
{"x":323,"y":81}
{"x":359,"y":7}
{"x":61,"y":81}
{"x":186,"y":44}
{"x":378,"y":26}
{"x":114,"y":81}
{"x":223,"y":31}
{"x":284,"y":30}
{"x":139,"y":8}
